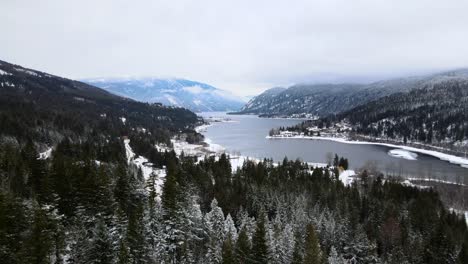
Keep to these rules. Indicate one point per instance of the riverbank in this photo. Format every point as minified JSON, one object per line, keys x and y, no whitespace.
{"x":461,"y":161}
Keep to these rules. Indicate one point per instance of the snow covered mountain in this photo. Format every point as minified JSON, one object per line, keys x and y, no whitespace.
{"x":196,"y":96}
{"x":326,"y":99}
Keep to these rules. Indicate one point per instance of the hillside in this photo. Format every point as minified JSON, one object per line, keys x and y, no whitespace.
{"x":46,"y":109}
{"x":435,"y":113}
{"x":196,"y":96}
{"x":327,"y":99}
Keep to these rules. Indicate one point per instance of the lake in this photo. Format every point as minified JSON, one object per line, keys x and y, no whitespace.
{"x":245,"y":135}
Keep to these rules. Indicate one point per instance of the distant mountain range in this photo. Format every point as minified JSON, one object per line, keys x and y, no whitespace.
{"x":196,"y":96}
{"x":326,"y":99}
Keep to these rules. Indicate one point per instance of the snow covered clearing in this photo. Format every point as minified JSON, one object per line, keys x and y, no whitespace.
{"x":403,"y":154}
{"x":180,"y":146}
{"x":146,"y":167}
{"x":214,"y":147}
{"x":463,"y":162}
{"x":347,"y":177}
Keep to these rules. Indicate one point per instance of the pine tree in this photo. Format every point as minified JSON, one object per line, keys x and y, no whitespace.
{"x":122,"y":189}
{"x":216,"y":232}
{"x":100,"y":251}
{"x":230,"y":228}
{"x":172,"y":215}
{"x":13,"y":226}
{"x":259,"y":241}
{"x":136,"y":237}
{"x":243,"y":250}
{"x":313,"y":253}
{"x":123,"y":255}
{"x":40,"y":241}
{"x":228,"y":251}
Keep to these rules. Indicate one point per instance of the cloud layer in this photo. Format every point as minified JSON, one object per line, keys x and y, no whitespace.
{"x":242,"y":46}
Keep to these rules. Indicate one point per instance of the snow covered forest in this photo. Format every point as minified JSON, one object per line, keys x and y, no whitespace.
{"x":89,"y":177}
{"x":71,"y":209}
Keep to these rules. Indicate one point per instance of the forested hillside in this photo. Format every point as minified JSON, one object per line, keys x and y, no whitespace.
{"x":436,"y":113}
{"x":329,"y":99}
{"x":86,"y":201}
{"x":48,"y":109}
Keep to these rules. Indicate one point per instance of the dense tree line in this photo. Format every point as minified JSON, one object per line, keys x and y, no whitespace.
{"x":71,"y":208}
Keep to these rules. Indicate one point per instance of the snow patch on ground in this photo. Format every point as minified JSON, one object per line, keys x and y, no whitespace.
{"x":45,"y":155}
{"x":128,"y":150}
{"x":202,"y":128}
{"x":410,"y":184}
{"x":180,"y":146}
{"x":146,"y":167}
{"x":28,"y":72}
{"x":403,"y":154}
{"x":463,"y":162}
{"x":214,"y":147}
{"x":4,"y":73}
{"x":347,"y":177}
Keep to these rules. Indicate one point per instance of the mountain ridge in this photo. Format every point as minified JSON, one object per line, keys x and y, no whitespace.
{"x":328,"y":99}
{"x":193,"y":95}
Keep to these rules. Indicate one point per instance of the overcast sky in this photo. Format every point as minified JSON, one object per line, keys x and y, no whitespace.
{"x":241,"y":46}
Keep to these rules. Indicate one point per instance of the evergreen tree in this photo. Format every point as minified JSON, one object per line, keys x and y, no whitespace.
{"x":123,"y":255}
{"x":40,"y":240}
{"x":228,"y":251}
{"x":216,"y":232}
{"x":13,"y":224}
{"x":100,"y":251}
{"x":259,"y":241}
{"x":313,"y":253}
{"x":230,"y":228}
{"x":243,"y":250}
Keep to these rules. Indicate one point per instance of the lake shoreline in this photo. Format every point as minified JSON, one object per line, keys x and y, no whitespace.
{"x":457,"y":160}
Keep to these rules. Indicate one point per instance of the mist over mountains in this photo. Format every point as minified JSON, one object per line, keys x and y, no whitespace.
{"x":196,"y":96}
{"x":326,"y":99}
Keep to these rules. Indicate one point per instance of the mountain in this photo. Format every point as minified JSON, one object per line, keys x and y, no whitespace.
{"x":431,"y":110}
{"x":436,"y":112}
{"x":196,"y":96}
{"x":47,"y":109}
{"x":326,"y":99}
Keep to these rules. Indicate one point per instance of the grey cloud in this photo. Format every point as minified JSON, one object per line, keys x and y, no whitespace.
{"x":243,"y":46}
